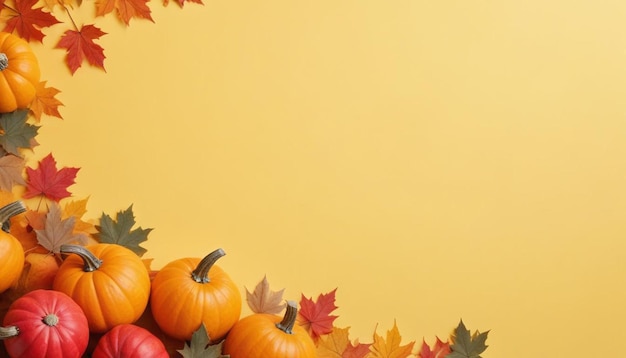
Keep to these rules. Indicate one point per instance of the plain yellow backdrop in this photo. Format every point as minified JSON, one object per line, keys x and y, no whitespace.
{"x":432,"y":160}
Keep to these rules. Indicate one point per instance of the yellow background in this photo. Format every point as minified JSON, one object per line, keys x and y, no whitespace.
{"x":433,"y":160}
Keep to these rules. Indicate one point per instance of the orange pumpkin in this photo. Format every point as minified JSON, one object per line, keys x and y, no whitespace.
{"x":19,"y":73}
{"x":262,"y":335}
{"x":189,"y":291}
{"x":108,"y":281}
{"x":11,"y":251}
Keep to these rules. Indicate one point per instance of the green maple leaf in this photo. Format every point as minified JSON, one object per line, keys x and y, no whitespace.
{"x":16,"y":133}
{"x":199,"y":346}
{"x":466,"y":345}
{"x":120,"y":231}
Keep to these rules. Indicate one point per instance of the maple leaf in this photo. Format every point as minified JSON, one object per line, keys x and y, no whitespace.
{"x":76,"y":209}
{"x":440,"y":350}
{"x":467,"y":345}
{"x":15,"y":133}
{"x":390,"y":347}
{"x":81,"y":47}
{"x":315,"y":316}
{"x":11,"y":168}
{"x":199,"y":346}
{"x":45,"y":103}
{"x":337,"y":345}
{"x":48,"y":181}
{"x":58,"y":231}
{"x":120,"y":231}
{"x":28,"y":22}
{"x":264,"y":300}
{"x":126,"y":9}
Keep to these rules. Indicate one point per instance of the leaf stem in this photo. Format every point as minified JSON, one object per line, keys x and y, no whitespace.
{"x":201,"y":273}
{"x":70,"y":16}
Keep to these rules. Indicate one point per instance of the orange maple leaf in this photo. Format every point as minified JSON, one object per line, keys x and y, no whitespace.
{"x":126,"y":9}
{"x":48,"y":181}
{"x":80,"y":47}
{"x":315,"y":316}
{"x":28,"y":22}
{"x":77,"y":209}
{"x":390,"y":347}
{"x":439,"y":350}
{"x":45,"y":102}
{"x":337,"y":345}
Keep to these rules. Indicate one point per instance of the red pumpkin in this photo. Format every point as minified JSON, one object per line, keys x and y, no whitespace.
{"x":45,"y":323}
{"x":263,"y":335}
{"x":129,"y":341}
{"x":188,"y":292}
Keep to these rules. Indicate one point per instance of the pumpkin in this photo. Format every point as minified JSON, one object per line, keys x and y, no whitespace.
{"x":129,"y":341}
{"x":262,"y":335}
{"x":188,"y":292}
{"x":45,"y":323}
{"x":108,"y":281}
{"x":19,"y":73}
{"x":11,"y":251}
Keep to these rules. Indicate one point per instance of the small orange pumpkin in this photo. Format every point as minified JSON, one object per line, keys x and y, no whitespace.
{"x":188,"y":292}
{"x":11,"y":251}
{"x":108,"y":281}
{"x":262,"y":335}
{"x":19,"y":73}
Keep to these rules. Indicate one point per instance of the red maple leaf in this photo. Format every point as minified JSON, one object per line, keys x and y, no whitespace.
{"x":439,"y":350}
{"x":80,"y":47}
{"x":126,"y":9}
{"x":48,"y":181}
{"x":28,"y":22}
{"x":315,"y":317}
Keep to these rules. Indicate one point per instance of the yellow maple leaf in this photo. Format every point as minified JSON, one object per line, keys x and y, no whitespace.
{"x":390,"y":347}
{"x":45,"y":102}
{"x":78,"y":208}
{"x":334,"y":344}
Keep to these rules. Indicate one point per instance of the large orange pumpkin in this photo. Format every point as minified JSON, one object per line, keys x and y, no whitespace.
{"x":108,"y":281}
{"x":11,"y":251}
{"x":188,"y":292}
{"x":263,"y":335}
{"x":19,"y":73}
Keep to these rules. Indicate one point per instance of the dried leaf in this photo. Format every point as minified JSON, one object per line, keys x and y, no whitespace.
{"x":121,"y":231}
{"x":48,"y":181}
{"x":15,"y":133}
{"x":337,"y":345}
{"x":440,"y":350}
{"x":467,"y":345}
{"x":315,"y":316}
{"x":11,"y":169}
{"x":264,"y":300}
{"x":126,"y":9}
{"x":45,"y":103}
{"x":28,"y":22}
{"x":58,"y":231}
{"x":199,"y":346}
{"x":390,"y":347}
{"x":80,"y":47}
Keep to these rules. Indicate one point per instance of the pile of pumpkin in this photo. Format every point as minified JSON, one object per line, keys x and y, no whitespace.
{"x":105,"y":303}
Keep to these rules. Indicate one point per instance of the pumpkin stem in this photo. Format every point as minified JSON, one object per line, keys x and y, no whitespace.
{"x":92,"y":263}
{"x":201,"y":273}
{"x":8,"y":332}
{"x":51,"y":319}
{"x":9,"y":211}
{"x":286,"y":325}
{"x":4,"y":61}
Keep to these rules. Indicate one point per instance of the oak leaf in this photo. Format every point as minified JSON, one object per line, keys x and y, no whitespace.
{"x":467,"y":345}
{"x":58,"y":231}
{"x":45,"y":103}
{"x":264,"y":300}
{"x":120,"y":231}
{"x":15,"y":133}
{"x":200,"y":347}
{"x":81,"y":47}
{"x":337,"y":345}
{"x":28,"y":21}
{"x":11,"y":168}
{"x":48,"y":181}
{"x":390,"y":347}
{"x":126,"y":9}
{"x":315,"y":316}
{"x":439,"y":350}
